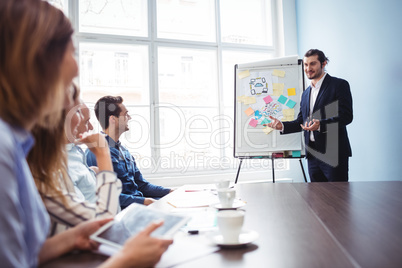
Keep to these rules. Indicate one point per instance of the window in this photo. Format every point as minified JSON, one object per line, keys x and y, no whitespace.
{"x":186,"y":20}
{"x":173,"y":62}
{"x":114,"y":69}
{"x":123,"y":17}
{"x":246,"y":22}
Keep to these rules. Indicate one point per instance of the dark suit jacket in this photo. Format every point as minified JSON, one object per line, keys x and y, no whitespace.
{"x":332,"y":90}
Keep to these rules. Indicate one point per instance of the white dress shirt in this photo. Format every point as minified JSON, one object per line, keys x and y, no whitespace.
{"x":313,"y":97}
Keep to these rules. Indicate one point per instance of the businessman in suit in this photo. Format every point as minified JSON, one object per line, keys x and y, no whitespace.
{"x":325,"y":111}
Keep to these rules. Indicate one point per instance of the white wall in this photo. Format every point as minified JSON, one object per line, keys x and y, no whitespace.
{"x":289,"y":27}
{"x":363,"y":40}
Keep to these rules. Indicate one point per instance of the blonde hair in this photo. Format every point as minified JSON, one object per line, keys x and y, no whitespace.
{"x":48,"y":158}
{"x":33,"y":40}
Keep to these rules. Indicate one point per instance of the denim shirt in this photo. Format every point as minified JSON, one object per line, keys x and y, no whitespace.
{"x":24,"y":222}
{"x":135,"y":187}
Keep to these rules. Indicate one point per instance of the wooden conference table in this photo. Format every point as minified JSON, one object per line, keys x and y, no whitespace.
{"x":355,"y":224}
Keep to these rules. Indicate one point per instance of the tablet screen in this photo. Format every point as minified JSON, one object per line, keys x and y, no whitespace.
{"x":133,"y":220}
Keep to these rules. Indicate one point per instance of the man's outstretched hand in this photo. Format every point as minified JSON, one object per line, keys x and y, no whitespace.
{"x":275,"y":123}
{"x":313,"y":125}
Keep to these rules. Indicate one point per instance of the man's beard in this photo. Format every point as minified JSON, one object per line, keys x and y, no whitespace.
{"x":315,"y":75}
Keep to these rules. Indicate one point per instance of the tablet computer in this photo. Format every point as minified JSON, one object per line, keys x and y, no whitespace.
{"x":133,"y":220}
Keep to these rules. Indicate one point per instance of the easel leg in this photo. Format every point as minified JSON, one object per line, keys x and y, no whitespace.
{"x":273,"y":170}
{"x":302,"y":168}
{"x":238,"y":170}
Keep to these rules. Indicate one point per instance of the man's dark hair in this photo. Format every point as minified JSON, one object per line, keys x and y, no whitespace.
{"x":105,"y":107}
{"x":319,"y":53}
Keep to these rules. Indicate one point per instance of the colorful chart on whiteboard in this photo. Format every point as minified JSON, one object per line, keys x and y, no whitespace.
{"x":262,"y":89}
{"x":265,"y":94}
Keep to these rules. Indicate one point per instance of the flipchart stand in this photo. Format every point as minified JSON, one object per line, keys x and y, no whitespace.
{"x":272,"y":157}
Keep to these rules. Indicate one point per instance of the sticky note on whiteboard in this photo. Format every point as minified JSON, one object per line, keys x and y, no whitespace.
{"x":291,"y":91}
{"x":265,"y":121}
{"x":253,"y":123}
{"x":279,"y":86}
{"x":287,"y":118}
{"x":249,"y":111}
{"x":288,"y":112}
{"x":250,"y":100}
{"x":277,"y":92}
{"x":278,"y":73}
{"x":244,"y":74}
{"x":282,"y":99}
{"x":267,"y":130}
{"x":267,"y":99}
{"x":241,"y":98}
{"x":291,"y":103}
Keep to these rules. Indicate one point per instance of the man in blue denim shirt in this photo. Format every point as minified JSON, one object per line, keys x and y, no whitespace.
{"x":113,"y":117}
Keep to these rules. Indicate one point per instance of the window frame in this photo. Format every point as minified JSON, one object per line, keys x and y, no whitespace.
{"x":153,"y":43}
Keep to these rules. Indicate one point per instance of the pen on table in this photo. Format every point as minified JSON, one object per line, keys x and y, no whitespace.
{"x":171,"y":204}
{"x":188,"y":191}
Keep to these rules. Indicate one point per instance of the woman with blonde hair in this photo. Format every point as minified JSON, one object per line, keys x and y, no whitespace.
{"x":48,"y":163}
{"x":37,"y":66}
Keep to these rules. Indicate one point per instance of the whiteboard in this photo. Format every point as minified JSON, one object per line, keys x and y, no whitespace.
{"x":271,"y":87}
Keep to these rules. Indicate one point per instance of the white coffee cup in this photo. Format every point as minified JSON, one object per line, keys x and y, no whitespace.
{"x":222,"y":183}
{"x":230,"y":223}
{"x":226,"y":197}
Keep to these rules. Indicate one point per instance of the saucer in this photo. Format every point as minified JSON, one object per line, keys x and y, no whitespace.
{"x":236,"y":204}
{"x":246,"y":237}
